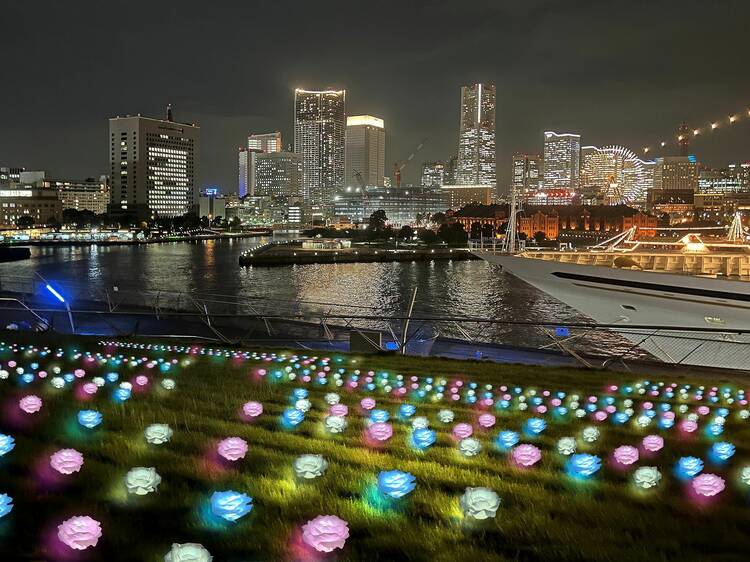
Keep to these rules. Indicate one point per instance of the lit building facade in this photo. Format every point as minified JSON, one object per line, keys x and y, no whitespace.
{"x":476,"y":137}
{"x":459,"y":196}
{"x":43,"y":205}
{"x":526,"y":173}
{"x":82,"y":195}
{"x":433,"y":174}
{"x":562,"y":158}
{"x":278,"y":174}
{"x":732,"y":179}
{"x":265,"y":142}
{"x":153,"y":166}
{"x":401,"y":205}
{"x":319,"y":138}
{"x":365,"y":151}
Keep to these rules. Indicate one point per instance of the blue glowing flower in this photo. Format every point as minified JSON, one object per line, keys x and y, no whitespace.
{"x":666,"y":423}
{"x":535,"y":426}
{"x":112,"y":377}
{"x":723,"y":412}
{"x":396,"y":484}
{"x":507,"y":439}
{"x":121,"y":394}
{"x":27,"y":378}
{"x":583,"y":465}
{"x":715,"y":429}
{"x":231,"y":505}
{"x":6,"y":505}
{"x":89,"y":418}
{"x":68,"y":377}
{"x":6,"y":444}
{"x":379,"y":416}
{"x":504,"y":404}
{"x":688,"y":467}
{"x":293,"y":416}
{"x":407,"y":410}
{"x":722,"y":451}
{"x":620,"y":418}
{"x":423,"y":438}
{"x":300,"y":393}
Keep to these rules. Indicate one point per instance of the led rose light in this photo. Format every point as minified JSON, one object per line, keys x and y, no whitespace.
{"x":526,"y":455}
{"x":462,"y":430}
{"x":626,"y":455}
{"x":380,"y":431}
{"x":79,"y":532}
{"x":252,"y":409}
{"x":653,"y":443}
{"x":66,"y":461}
{"x":30,"y":404}
{"x":325,"y":533}
{"x":339,"y":410}
{"x":232,"y":448}
{"x":486,"y":420}
{"x":708,"y":485}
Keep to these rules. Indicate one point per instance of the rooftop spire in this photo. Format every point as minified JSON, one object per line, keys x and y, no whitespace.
{"x":169,"y":112}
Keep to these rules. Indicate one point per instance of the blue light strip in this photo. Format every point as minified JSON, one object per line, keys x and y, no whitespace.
{"x":58,"y":295}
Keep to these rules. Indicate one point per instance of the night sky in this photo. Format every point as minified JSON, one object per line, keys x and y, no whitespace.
{"x":624,"y":72}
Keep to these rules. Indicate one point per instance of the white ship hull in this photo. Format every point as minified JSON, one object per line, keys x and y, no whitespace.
{"x":659,"y":301}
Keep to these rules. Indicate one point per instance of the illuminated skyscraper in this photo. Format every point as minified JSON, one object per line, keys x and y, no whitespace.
{"x":433,"y":174}
{"x":278,"y":174}
{"x":562,"y":156}
{"x":365,"y":150}
{"x":476,"y":137}
{"x":319,"y":133}
{"x":153,"y":166}
{"x":526,"y":173}
{"x":266,"y":142}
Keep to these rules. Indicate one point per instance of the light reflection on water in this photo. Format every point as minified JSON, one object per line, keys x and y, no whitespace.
{"x":462,"y":288}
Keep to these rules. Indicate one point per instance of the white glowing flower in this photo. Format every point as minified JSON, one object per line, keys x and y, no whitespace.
{"x":693,"y":417}
{"x":469,"y":447}
{"x":332,"y":398}
{"x":445,"y":416}
{"x":98,"y":381}
{"x":126,"y":385}
{"x":629,"y":411}
{"x":188,"y":552}
{"x":574,"y":405}
{"x":4,"y":374}
{"x":628,"y":403}
{"x":590,"y":434}
{"x":522,"y":406}
{"x":420,"y":422}
{"x":566,"y":445}
{"x":479,"y":503}
{"x":158,"y":433}
{"x":744,"y":414}
{"x":647,"y":477}
{"x":57,"y":382}
{"x":142,"y":480}
{"x":745,"y":476}
{"x":580,"y":413}
{"x":643,"y":421}
{"x":335,"y":424}
{"x":719,"y":420}
{"x":168,"y":384}
{"x":309,"y":466}
{"x":303,"y":405}
{"x":682,"y":408}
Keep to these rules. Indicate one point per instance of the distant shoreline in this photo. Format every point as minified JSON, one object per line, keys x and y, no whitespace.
{"x":19,"y":243}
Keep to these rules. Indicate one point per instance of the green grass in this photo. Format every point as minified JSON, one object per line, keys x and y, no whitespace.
{"x":543,"y":515}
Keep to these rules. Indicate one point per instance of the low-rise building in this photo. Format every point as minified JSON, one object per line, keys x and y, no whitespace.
{"x":41,"y":204}
{"x":401,"y":205}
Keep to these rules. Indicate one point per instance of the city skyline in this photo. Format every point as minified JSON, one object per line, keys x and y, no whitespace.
{"x":629,"y":102}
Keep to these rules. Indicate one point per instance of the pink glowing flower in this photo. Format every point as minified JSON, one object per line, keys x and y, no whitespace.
{"x":600,"y":415}
{"x":668,"y":415}
{"x":704,"y":410}
{"x":79,"y":532}
{"x":689,"y":426}
{"x":339,"y":410}
{"x":542,"y":409}
{"x":252,"y":409}
{"x":653,"y":443}
{"x":380,"y":431}
{"x":555,"y":402}
{"x":625,"y":454}
{"x":611,"y":409}
{"x":141,"y":380}
{"x":79,"y":373}
{"x":66,"y":461}
{"x":232,"y":448}
{"x":707,"y":484}
{"x":486,"y":420}
{"x":30,"y":404}
{"x":367,"y":403}
{"x":462,"y":430}
{"x":648,"y":405}
{"x":89,"y":388}
{"x":526,"y":455}
{"x":325,"y":533}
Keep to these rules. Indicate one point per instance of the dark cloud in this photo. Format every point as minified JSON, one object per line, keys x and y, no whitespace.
{"x":617,"y":72}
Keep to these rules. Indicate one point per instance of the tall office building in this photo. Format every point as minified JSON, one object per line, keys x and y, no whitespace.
{"x":365,"y":151}
{"x":433,"y":174}
{"x":319,"y":133}
{"x":526,"y":173}
{"x":278,"y":174}
{"x":153,"y":166}
{"x":676,"y":174}
{"x":266,"y":142}
{"x":451,"y":167}
{"x":476,"y":137}
{"x":562,"y":161}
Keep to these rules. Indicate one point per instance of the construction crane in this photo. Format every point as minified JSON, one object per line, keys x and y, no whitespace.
{"x":397,"y":168}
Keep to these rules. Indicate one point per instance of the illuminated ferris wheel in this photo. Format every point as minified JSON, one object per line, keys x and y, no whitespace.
{"x":620,"y":174}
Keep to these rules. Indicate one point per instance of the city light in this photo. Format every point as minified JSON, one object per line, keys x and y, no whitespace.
{"x":55,"y":293}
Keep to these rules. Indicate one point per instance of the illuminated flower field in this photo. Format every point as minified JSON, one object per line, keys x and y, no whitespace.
{"x":150,"y":452}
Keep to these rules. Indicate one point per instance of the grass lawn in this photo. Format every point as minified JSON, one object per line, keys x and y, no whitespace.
{"x":544,"y":513}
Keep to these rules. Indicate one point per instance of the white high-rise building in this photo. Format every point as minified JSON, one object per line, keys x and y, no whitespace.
{"x":265,"y":142}
{"x":433,"y":174}
{"x":365,"y":151}
{"x":476,"y":137}
{"x":278,"y":174}
{"x":319,"y":138}
{"x":562,"y":161}
{"x":153,"y":166}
